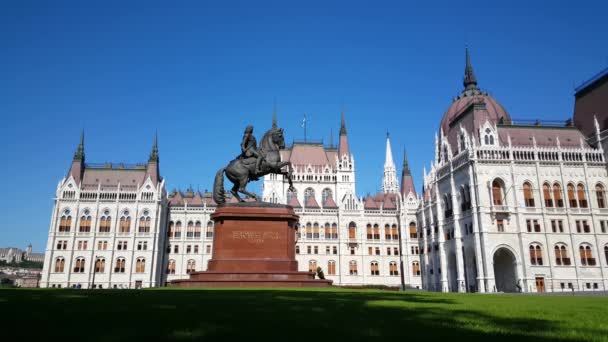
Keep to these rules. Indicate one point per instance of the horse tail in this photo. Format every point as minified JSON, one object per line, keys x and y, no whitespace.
{"x":218,"y":187}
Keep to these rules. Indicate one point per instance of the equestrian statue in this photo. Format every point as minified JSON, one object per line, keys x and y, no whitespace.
{"x":253,"y":163}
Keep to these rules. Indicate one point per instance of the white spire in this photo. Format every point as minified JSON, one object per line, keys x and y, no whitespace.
{"x":389,"y":180}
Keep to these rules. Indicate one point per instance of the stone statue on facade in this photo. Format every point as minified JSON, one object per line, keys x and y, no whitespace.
{"x":252,"y":163}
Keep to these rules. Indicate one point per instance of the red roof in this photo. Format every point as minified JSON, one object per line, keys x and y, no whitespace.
{"x":370,"y":203}
{"x":329,"y":203}
{"x":545,"y":136}
{"x":294,"y":202}
{"x":311,"y":202}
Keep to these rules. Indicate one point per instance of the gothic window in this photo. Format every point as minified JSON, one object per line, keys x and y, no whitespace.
{"x":497,"y":192}
{"x":326,"y":194}
{"x":536,"y":255}
{"x":209,"y":229}
{"x":65,"y":222}
{"x":140,"y":265}
{"x":308,"y":230}
{"x":100,"y":265}
{"x":413,"y":230}
{"x":125,"y":223}
{"x":374,"y":268}
{"x":599,"y":195}
{"x":352,"y":267}
{"x":462,"y":142}
{"x":171,"y":267}
{"x":197,"y":229}
{"x":387,"y":232}
{"x":376,"y":232}
{"x":334,"y":230}
{"x":331,"y":267}
{"x":315,"y":230}
{"x":85,"y":222}
{"x":416,"y":269}
{"x":606,"y":253}
{"x":144,"y":224}
{"x":312,"y":266}
{"x":190,"y":230}
{"x":191,"y":266}
{"x":586,"y":256}
{"x":528,"y":195}
{"x":557,"y":195}
{"x":327,"y":230}
{"x":582,"y":199}
{"x":488,"y":137}
{"x":352,"y":231}
{"x":309,"y":192}
{"x":392,"y":268}
{"x":571,"y":196}
{"x":119,"y":267}
{"x":59,"y":265}
{"x":105,"y":222}
{"x":547,"y":195}
{"x":561,"y":255}
{"x":79,"y":265}
{"x":395,"y":232}
{"x":177,"y":232}
{"x":370,"y":234}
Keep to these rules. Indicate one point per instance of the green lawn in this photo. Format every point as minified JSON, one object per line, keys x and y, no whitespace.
{"x":280,"y":314}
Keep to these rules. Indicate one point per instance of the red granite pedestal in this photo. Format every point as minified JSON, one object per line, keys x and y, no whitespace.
{"x":253,"y":246}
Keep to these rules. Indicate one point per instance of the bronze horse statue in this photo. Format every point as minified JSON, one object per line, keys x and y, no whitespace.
{"x":242,"y":171}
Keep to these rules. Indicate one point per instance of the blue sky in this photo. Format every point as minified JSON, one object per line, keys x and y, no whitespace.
{"x":198,"y":72}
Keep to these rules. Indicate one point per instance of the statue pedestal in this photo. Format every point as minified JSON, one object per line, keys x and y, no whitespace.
{"x":253,"y":246}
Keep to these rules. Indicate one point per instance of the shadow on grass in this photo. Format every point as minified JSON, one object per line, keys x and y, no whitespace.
{"x":115,"y":315}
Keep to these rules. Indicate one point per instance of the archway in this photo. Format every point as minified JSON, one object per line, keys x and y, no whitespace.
{"x":452,"y":273}
{"x":504,"y":271}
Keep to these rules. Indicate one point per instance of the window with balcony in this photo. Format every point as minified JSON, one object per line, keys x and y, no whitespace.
{"x":587,"y":258}
{"x":561,"y":255}
{"x":536,"y":255}
{"x":528,"y":195}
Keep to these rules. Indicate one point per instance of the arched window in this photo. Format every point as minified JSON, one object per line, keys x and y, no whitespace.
{"x":413,"y":230}
{"x":178,"y":229}
{"x":327,"y":228}
{"x":100,"y":265}
{"x":144,"y":224}
{"x":209,"y":229}
{"x":536,"y":255}
{"x":375,"y":270}
{"x":416,"y":269}
{"x":331,"y":267}
{"x":528,"y":195}
{"x":308,"y":230}
{"x":547,"y":195}
{"x":352,"y":267}
{"x":65,"y":222}
{"x":309,"y":192}
{"x":197,"y":229}
{"x":327,"y":193}
{"x":312,"y":266}
{"x":488,"y":137}
{"x":140,"y":265}
{"x":582,"y":199}
{"x":79,"y":265}
{"x":395,"y":232}
{"x":387,"y":232}
{"x":119,"y":267}
{"x":191,"y":266}
{"x":571,"y":196}
{"x":105,"y":222}
{"x":370,"y":233}
{"x":599,"y":195}
{"x":392,"y":268}
{"x":334,"y":230}
{"x":125,"y":223}
{"x":85,"y":222}
{"x":171,"y":267}
{"x":561,"y":255}
{"x":557,"y":195}
{"x":59,"y":265}
{"x":586,"y":256}
{"x":190,"y":230}
{"x":315,"y":230}
{"x":171,"y":230}
{"x":352,"y":231}
{"x":606,"y":253}
{"x":376,"y":232}
{"x":497,"y":192}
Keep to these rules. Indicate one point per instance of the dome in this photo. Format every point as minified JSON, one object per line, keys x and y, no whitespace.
{"x":471,"y":108}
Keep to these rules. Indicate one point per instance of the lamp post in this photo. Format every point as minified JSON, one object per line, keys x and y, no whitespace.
{"x":94,"y":271}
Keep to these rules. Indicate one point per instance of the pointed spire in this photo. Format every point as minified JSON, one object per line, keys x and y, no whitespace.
{"x":274,"y":113}
{"x":79,"y":154}
{"x":342,"y":124}
{"x":406,"y":166}
{"x":154,"y":153}
{"x":331,"y":137}
{"x":389,"y":180}
{"x":343,"y":148}
{"x":470,"y":81}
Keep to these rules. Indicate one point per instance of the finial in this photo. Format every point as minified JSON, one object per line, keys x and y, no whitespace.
{"x":405,"y":162}
{"x":274,"y":113}
{"x":154,"y":153}
{"x":342,"y":124}
{"x":470,"y":81}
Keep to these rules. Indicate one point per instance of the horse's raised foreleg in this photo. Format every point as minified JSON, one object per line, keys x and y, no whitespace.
{"x":243,"y":190}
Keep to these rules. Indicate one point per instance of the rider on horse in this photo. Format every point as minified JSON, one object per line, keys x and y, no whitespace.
{"x":249,"y":149}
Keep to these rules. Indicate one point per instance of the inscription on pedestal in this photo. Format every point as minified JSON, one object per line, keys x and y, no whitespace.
{"x":254,"y":237}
